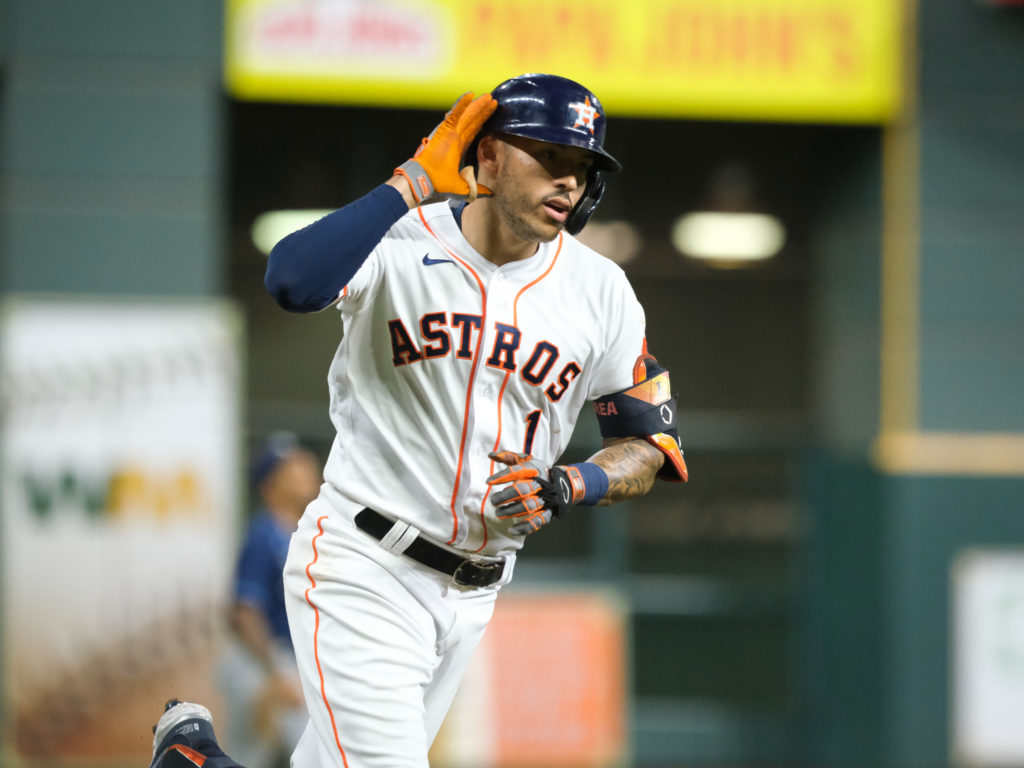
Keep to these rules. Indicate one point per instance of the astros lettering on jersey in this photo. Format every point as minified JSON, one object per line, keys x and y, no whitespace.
{"x":447,"y":356}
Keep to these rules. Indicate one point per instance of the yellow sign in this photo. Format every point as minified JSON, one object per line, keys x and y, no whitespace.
{"x":803,"y":60}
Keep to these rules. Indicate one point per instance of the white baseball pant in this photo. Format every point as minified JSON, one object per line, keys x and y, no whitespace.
{"x":381,"y":640}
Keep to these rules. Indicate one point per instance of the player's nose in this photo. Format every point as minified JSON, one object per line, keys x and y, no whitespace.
{"x":567,"y":180}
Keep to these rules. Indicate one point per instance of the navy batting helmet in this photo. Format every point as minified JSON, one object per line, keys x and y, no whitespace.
{"x":554,"y":109}
{"x":560,"y":111}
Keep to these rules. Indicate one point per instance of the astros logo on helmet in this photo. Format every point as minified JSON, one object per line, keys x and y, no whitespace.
{"x":585,"y":114}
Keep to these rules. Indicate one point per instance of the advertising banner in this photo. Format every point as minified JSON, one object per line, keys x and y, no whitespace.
{"x":799,"y":60}
{"x":547,"y":686}
{"x":119,"y":481}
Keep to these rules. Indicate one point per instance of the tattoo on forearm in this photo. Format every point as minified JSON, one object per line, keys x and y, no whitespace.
{"x":631,"y":464}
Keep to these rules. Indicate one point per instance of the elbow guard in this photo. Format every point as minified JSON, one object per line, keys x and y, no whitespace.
{"x":648,"y":410}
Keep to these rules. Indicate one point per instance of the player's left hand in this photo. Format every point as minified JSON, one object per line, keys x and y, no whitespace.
{"x":535,"y":492}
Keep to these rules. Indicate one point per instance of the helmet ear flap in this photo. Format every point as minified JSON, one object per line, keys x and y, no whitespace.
{"x":586,"y":205}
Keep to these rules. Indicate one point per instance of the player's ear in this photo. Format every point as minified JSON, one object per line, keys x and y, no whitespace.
{"x":487,"y":153}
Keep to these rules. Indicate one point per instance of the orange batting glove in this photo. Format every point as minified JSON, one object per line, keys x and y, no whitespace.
{"x":434,"y":172}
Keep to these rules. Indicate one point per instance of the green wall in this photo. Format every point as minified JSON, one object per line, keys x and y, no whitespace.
{"x":877,"y":629}
{"x":876,"y":643}
{"x":931,"y":520}
{"x":110,"y":147}
{"x":972,"y":229}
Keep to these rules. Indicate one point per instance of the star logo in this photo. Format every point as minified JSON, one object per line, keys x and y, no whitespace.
{"x":585,"y":114}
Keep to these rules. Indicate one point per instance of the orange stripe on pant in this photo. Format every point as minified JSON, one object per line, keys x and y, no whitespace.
{"x":316,"y":643}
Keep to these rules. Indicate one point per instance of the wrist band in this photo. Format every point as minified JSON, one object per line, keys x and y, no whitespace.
{"x":595,"y":481}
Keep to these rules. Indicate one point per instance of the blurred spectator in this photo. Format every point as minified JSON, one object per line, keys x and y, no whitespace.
{"x":258,"y":675}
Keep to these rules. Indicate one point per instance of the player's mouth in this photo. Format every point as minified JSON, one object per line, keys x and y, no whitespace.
{"x":558,"y":208}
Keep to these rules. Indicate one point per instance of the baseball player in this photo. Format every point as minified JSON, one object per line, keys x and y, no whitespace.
{"x":257,"y":674}
{"x":476,"y":328}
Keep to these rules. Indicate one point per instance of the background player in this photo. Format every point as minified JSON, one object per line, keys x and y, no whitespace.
{"x":257,"y":673}
{"x":475,"y":330}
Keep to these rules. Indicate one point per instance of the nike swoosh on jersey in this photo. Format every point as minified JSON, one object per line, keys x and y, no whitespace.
{"x":430,"y":262}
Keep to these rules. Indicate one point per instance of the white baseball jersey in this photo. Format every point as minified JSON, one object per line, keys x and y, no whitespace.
{"x":446,"y":357}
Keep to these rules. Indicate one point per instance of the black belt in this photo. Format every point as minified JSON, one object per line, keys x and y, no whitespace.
{"x":467,"y":573}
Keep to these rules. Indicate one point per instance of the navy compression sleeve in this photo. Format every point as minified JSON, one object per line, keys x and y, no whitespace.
{"x":307,"y":269}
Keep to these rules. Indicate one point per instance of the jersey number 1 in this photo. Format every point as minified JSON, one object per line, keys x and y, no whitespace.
{"x":532,"y":420}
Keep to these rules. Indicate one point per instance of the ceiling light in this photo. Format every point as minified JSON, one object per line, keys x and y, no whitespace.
{"x":271,"y":226}
{"x":728,"y":238}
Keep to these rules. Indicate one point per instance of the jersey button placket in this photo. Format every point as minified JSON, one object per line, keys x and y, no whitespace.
{"x":500,"y":290}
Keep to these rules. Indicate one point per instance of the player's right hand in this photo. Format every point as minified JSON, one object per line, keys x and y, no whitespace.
{"x":532,"y":492}
{"x":434,"y":172}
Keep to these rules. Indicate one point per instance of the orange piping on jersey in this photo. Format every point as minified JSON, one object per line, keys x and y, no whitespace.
{"x":472,"y":377}
{"x":316,"y":633}
{"x":501,"y":393}
{"x":497,"y":443}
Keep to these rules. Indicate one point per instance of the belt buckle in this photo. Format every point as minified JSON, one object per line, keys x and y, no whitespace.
{"x":464,"y":579}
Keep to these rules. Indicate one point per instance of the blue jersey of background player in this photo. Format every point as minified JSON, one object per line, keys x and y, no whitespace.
{"x":258,"y":577}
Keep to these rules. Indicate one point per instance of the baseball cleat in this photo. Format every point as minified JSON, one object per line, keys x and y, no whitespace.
{"x":181,"y":724}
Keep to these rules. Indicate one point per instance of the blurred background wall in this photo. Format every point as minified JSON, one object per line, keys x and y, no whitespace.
{"x":852,"y":410}
{"x":121,"y":373}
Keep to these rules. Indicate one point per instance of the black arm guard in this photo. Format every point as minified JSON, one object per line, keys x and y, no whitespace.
{"x":648,"y":410}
